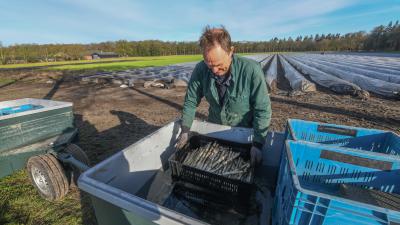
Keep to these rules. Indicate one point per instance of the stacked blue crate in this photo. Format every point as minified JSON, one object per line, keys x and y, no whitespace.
{"x":370,"y":143}
{"x":312,"y":178}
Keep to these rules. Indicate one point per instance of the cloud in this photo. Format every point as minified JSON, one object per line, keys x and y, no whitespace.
{"x":289,"y":16}
{"x":245,"y":18}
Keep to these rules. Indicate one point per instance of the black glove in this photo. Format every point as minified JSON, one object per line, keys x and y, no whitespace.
{"x":183,"y":138}
{"x":255,"y":155}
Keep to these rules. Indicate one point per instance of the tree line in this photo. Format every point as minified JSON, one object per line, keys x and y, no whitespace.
{"x":380,"y":38}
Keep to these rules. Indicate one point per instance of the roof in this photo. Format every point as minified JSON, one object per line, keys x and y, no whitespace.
{"x":104,"y":53}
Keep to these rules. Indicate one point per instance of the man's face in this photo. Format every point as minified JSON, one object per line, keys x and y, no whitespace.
{"x":218,"y":60}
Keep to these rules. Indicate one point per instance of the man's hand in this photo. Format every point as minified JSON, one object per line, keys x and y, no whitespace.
{"x":182,"y":140}
{"x":255,"y":156}
{"x":183,"y":137}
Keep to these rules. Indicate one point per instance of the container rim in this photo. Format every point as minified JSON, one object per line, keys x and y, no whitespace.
{"x":334,"y":125}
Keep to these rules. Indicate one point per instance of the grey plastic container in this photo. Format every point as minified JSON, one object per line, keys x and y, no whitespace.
{"x":24,"y":128}
{"x":113,"y":183}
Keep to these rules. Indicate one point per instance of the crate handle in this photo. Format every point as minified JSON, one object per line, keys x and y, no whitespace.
{"x":356,"y":160}
{"x":337,"y":130}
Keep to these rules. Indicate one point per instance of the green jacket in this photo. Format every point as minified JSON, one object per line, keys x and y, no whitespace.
{"x":246,"y":102}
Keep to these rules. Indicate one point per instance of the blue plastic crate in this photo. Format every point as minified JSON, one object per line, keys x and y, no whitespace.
{"x":18,"y":109}
{"x":374,"y":140}
{"x":311,"y":181}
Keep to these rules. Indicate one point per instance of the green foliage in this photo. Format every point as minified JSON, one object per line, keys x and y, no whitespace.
{"x":384,"y":38}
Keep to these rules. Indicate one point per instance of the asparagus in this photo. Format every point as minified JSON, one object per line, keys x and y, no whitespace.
{"x":219,"y":160}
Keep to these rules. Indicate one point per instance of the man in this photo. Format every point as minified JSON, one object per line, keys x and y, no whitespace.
{"x":234,"y":87}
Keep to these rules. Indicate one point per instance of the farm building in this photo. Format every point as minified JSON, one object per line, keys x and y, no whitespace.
{"x":102,"y":55}
{"x":87,"y":57}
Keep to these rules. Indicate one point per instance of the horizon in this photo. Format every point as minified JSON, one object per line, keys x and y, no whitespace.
{"x":76,"y":22}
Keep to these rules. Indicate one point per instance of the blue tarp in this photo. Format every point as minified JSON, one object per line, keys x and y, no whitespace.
{"x":18,"y":109}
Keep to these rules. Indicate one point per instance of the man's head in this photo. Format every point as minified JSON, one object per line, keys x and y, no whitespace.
{"x":217,"y":49}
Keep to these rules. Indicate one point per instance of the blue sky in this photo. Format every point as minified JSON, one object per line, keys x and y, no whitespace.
{"x":86,"y":21}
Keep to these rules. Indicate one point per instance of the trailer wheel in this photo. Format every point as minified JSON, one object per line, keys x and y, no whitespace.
{"x":48,"y":177}
{"x":79,"y":155}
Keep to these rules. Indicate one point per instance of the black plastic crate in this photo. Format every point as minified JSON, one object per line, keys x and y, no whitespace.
{"x":233,"y":187}
{"x":213,"y":200}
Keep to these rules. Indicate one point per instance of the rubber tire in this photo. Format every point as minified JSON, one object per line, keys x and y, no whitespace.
{"x":53,"y":174}
{"x":79,"y":155}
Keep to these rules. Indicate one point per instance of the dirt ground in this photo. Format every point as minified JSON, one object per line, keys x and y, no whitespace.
{"x":110,"y":118}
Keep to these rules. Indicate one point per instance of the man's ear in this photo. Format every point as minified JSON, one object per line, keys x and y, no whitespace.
{"x":232,"y":50}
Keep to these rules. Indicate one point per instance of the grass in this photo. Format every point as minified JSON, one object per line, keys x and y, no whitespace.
{"x":148,"y":61}
{"x":125,"y":62}
{"x":20,"y":204}
{"x":5,"y":80}
{"x":110,"y":64}
{"x":43,"y":64}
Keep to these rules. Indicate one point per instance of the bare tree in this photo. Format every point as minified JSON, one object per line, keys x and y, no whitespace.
{"x":2,"y":58}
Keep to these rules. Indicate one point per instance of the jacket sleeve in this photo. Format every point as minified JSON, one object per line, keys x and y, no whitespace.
{"x":194,"y":94}
{"x":260,"y":105}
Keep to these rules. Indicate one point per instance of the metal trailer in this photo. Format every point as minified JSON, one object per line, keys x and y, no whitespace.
{"x":39,"y":134}
{"x":115,"y":183}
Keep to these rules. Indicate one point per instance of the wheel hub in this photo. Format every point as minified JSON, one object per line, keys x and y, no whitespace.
{"x":40,"y":180}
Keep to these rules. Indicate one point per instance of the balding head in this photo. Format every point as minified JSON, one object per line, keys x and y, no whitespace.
{"x":215,"y":36}
{"x":217,"y":49}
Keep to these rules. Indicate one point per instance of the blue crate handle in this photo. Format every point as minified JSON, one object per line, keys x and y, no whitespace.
{"x":356,"y":160}
{"x":337,"y":130}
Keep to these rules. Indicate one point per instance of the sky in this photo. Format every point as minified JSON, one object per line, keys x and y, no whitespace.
{"x":90,"y":21}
